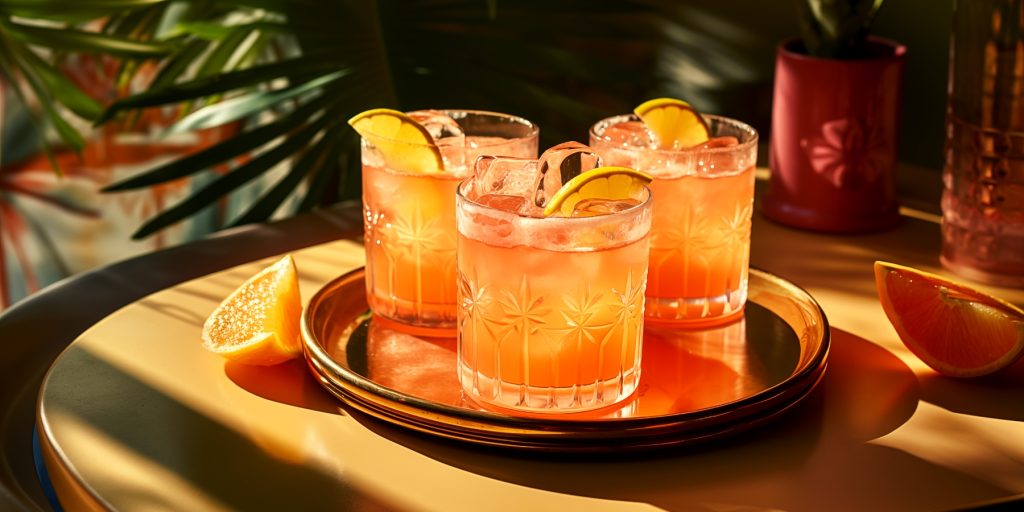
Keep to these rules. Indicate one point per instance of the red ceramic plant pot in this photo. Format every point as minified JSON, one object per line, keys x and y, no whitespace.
{"x":835,"y":127}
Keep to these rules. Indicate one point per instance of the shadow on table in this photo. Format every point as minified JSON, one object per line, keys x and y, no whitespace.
{"x":235,"y":468}
{"x":1000,"y":395}
{"x":288,"y":383}
{"x":818,"y":456}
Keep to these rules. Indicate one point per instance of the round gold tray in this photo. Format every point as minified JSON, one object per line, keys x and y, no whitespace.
{"x":695,"y":385}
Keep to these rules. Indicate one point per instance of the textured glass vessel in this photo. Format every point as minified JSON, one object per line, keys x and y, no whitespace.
{"x":983,"y":197}
{"x":700,"y":235}
{"x":551,"y":308}
{"x":409,"y":220}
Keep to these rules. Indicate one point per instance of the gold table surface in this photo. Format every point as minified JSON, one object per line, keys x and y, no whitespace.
{"x":135,"y":415}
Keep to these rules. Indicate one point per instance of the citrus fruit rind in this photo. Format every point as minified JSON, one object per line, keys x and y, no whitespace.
{"x":258,"y":323}
{"x":405,"y":144}
{"x":673,"y":123}
{"x":610,"y":183}
{"x":954,"y":329}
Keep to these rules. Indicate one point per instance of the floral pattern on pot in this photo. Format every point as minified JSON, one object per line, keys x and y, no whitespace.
{"x":849,"y":153}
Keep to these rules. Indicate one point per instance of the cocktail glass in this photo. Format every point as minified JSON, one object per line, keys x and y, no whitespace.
{"x":409,"y":217}
{"x":703,"y":202}
{"x":551,"y":308}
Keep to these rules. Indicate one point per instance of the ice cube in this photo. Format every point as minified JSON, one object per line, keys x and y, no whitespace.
{"x":561,"y":163}
{"x":439,"y":124}
{"x":629,"y":134}
{"x":515,"y":180}
{"x":507,"y":176}
{"x":447,"y":134}
{"x":501,"y":202}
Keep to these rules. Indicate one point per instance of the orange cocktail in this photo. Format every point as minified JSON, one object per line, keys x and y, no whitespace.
{"x":551,"y":315}
{"x":409,"y":215}
{"x":703,"y":202}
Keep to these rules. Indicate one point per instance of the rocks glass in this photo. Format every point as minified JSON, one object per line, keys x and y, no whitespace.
{"x":409,"y":217}
{"x":703,"y":202}
{"x":551,"y":308}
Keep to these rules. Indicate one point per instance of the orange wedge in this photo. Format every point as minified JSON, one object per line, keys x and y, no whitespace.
{"x":603,"y":184}
{"x":954,"y":329}
{"x":674,"y":123}
{"x":259,"y":322}
{"x":404,"y":143}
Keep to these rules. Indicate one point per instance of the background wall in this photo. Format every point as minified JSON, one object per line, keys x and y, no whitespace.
{"x":924,"y":26}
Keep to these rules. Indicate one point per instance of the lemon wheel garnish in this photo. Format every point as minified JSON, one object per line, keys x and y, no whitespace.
{"x":607,"y":183}
{"x":674,"y":123}
{"x":405,"y":144}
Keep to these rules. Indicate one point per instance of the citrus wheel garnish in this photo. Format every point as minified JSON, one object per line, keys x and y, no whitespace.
{"x":404,"y":143}
{"x":954,"y":329}
{"x":602,"y":183}
{"x":674,"y":123}
{"x":259,"y":322}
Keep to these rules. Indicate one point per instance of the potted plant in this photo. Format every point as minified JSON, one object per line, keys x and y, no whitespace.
{"x":835,"y":122}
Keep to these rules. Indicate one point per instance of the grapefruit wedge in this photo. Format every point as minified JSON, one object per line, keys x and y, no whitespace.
{"x":954,"y":329}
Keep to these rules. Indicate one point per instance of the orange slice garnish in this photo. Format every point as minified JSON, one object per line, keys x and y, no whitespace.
{"x":673,"y":123}
{"x":259,"y":322}
{"x":404,"y":143}
{"x":596,"y":186}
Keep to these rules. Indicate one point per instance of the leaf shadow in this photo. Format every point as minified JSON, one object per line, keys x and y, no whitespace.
{"x":146,"y":422}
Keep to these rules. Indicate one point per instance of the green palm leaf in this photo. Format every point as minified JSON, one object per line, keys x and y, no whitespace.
{"x":320,"y":155}
{"x":176,"y":66}
{"x":62,"y":89}
{"x":319,"y":178}
{"x":212,"y":31}
{"x":201,"y":160}
{"x":11,"y":69}
{"x":236,"y":178}
{"x":72,"y":10}
{"x":241,"y":107}
{"x":220,"y":59}
{"x":216,"y":84}
{"x":18,"y":56}
{"x":86,"y":42}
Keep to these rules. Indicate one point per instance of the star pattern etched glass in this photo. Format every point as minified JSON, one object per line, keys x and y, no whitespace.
{"x":700,"y":236}
{"x":551,"y":309}
{"x":409,"y":218}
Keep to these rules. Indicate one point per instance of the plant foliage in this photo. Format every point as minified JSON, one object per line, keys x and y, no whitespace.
{"x":836,"y":29}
